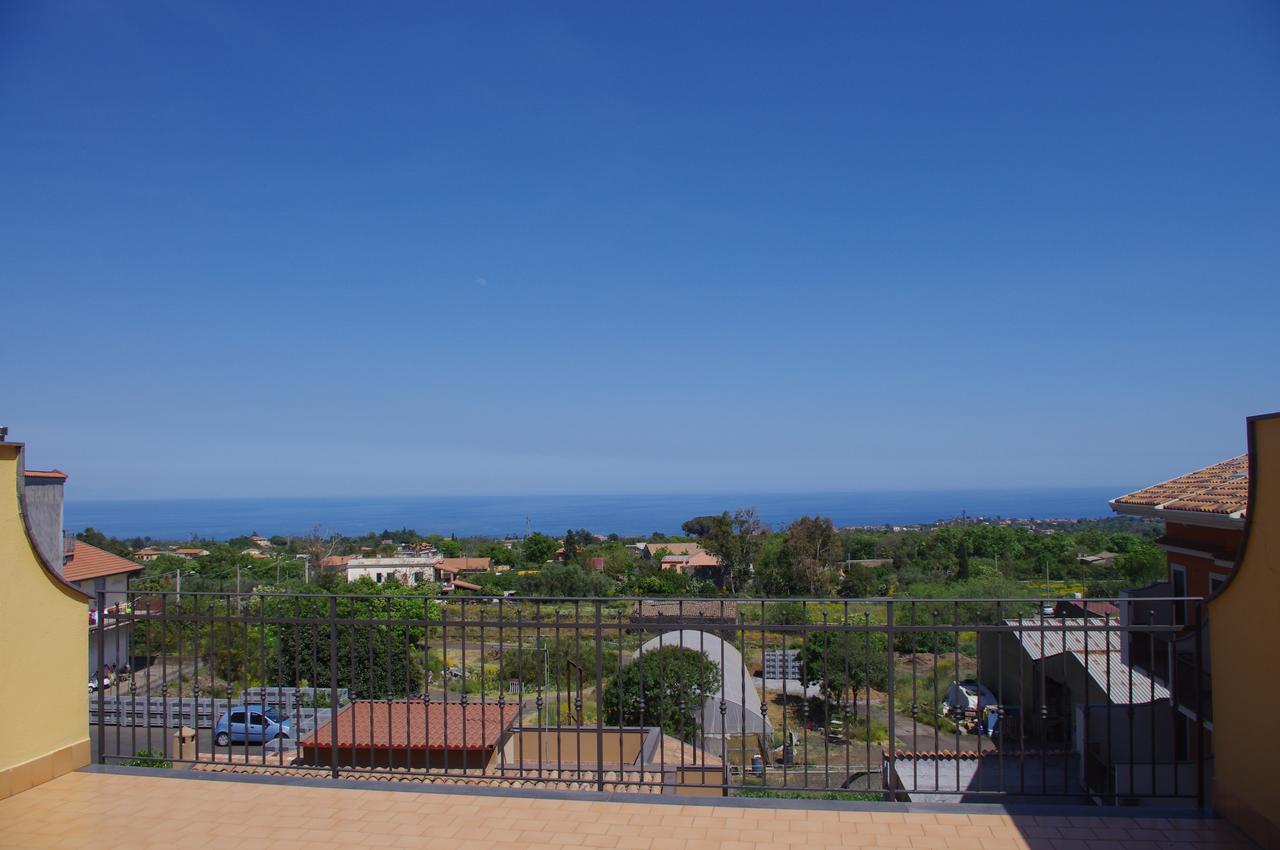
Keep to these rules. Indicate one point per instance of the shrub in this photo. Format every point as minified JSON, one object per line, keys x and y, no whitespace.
{"x":147,"y":758}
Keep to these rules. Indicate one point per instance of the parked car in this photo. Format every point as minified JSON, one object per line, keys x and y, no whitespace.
{"x":250,"y":724}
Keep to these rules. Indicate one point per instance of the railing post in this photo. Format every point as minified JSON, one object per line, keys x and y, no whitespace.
{"x":1199,"y":678}
{"x":889,"y":772}
{"x":599,"y":702}
{"x":333,"y":686}
{"x":97,"y":676}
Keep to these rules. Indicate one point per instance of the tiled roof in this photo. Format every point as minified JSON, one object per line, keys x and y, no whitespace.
{"x":416,"y":726}
{"x":91,"y":562}
{"x":673,"y":548}
{"x":1219,"y":489}
{"x":45,"y":473}
{"x":464,"y":565}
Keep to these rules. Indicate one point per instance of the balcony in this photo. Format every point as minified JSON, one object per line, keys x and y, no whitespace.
{"x":940,"y":701}
{"x":157,"y":809}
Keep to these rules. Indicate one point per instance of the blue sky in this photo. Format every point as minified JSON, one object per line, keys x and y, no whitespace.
{"x":275,"y":249}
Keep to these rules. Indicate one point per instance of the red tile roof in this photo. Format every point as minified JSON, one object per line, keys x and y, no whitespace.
{"x":464,"y":565}
{"x":465,"y":585}
{"x":401,"y":724}
{"x":1222,"y":488}
{"x":91,"y":562}
{"x":45,"y":473}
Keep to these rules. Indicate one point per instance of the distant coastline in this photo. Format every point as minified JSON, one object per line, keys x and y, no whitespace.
{"x":498,"y":516}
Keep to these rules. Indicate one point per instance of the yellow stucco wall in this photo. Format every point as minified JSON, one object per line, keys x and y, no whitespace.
{"x":44,"y":720}
{"x":1244,"y":622}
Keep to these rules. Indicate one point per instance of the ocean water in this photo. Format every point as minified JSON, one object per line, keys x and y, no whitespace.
{"x":506,"y":515}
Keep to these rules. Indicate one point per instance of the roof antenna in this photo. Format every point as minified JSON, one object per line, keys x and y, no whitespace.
{"x":4,"y":432}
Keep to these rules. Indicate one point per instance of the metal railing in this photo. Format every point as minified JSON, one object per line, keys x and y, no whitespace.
{"x":896,"y":699}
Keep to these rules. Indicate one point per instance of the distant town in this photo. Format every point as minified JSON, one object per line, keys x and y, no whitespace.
{"x":726,"y":554}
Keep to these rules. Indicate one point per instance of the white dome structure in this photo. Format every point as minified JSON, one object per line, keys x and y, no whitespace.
{"x":738,"y":690}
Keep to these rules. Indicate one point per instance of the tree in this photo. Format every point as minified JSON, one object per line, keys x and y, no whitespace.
{"x":316,"y":546}
{"x":736,"y":541}
{"x":700,"y":526}
{"x":844,"y":662}
{"x":565,"y":580}
{"x":858,"y":581}
{"x":538,"y":548}
{"x":962,"y":563}
{"x":814,"y":552}
{"x":665,"y":687}
{"x":375,"y":659}
{"x":1142,"y":564}
{"x":773,"y":575}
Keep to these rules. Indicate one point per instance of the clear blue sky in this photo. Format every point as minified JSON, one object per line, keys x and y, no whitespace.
{"x":403,"y":248}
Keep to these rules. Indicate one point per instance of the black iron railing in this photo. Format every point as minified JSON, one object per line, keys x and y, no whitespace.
{"x":943,"y":699}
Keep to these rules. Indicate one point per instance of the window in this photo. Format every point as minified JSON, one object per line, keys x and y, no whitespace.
{"x":1182,"y":737}
{"x":237,"y":717}
{"x":1178,"y":576}
{"x":377,"y":577}
{"x":1216,"y":580}
{"x":417,"y":578}
{"x":255,"y":719}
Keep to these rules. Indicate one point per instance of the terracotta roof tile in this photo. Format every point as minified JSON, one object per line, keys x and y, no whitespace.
{"x":400,"y":724}
{"x":91,"y":562}
{"x":464,"y":565}
{"x":45,"y":473}
{"x":1219,"y":489}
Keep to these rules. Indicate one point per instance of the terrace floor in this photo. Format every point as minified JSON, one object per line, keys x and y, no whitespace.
{"x":91,"y":808}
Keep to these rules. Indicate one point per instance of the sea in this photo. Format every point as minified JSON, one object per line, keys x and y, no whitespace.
{"x":502,"y":516}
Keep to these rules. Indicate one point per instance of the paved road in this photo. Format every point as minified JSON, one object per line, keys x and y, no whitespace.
{"x":125,"y":741}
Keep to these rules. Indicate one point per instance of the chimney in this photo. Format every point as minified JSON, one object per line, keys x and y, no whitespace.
{"x":42,"y":495}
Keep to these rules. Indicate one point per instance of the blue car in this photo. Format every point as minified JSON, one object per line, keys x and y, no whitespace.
{"x":250,"y":724}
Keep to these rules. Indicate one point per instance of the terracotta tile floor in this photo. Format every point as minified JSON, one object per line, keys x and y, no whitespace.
{"x":94,"y":810}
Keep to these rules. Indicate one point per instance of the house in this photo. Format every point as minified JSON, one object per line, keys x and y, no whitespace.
{"x":333,"y":562}
{"x":651,"y":550}
{"x":462,"y":566}
{"x":1045,"y":666}
{"x":869,"y":563}
{"x":255,"y":553}
{"x":42,"y":627}
{"x":1101,"y":559}
{"x":148,"y":554}
{"x":260,"y":541}
{"x":189,"y":552}
{"x":93,"y":571}
{"x":698,"y":564}
{"x":411,"y":571}
{"x":1204,"y":513}
{"x":404,"y":733}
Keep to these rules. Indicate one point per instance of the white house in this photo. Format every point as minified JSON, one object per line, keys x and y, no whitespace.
{"x":412,"y":571}
{"x":94,"y":570}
